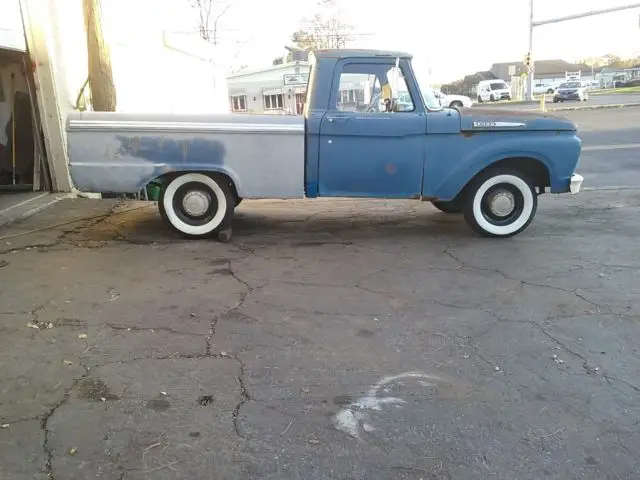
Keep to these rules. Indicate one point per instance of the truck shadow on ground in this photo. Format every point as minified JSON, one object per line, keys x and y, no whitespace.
{"x":298,"y":225}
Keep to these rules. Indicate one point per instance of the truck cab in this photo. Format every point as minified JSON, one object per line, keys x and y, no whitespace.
{"x":366,"y":131}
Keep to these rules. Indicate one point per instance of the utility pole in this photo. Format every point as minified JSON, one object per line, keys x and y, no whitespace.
{"x":533,"y":24}
{"x":530,"y":67}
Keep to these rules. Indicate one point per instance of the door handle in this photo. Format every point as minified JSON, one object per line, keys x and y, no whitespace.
{"x":337,"y":119}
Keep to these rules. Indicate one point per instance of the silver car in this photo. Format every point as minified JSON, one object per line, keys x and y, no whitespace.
{"x":572,"y":90}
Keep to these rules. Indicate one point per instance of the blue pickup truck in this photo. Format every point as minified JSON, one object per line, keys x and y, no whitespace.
{"x":355,"y":139}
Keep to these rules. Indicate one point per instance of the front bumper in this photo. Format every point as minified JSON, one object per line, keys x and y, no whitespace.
{"x":576,"y":183}
{"x":567,"y":96}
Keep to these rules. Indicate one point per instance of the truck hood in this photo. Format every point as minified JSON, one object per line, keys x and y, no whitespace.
{"x":489,"y":119}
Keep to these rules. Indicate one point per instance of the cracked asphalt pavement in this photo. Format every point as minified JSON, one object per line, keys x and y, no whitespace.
{"x":329,"y":340}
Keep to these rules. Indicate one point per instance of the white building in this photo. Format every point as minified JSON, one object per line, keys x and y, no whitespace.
{"x":279,"y":89}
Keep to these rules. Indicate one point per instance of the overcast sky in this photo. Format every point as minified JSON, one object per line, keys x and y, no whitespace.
{"x":453,"y":38}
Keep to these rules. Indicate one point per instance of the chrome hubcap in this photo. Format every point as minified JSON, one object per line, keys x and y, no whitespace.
{"x":196,"y":203}
{"x":502,"y":203}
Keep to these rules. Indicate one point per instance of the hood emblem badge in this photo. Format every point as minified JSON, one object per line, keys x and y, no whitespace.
{"x":497,"y":124}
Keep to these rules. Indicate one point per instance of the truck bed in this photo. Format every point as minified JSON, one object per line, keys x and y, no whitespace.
{"x":122,"y":152}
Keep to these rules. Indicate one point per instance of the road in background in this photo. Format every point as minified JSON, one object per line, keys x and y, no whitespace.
{"x":611,"y":146}
{"x":613,"y":99}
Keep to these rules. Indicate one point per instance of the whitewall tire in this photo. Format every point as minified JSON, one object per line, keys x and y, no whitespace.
{"x":197,"y":205}
{"x":500,"y":203}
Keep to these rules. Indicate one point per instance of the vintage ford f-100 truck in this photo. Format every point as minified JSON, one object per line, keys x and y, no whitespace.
{"x":354,"y":139}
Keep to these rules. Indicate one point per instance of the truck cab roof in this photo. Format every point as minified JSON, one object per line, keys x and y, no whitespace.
{"x":362,"y":52}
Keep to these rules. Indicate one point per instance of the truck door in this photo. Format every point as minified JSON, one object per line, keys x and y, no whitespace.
{"x":366,"y":152}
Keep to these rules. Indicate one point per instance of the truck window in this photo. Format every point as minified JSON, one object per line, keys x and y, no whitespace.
{"x":364,"y":87}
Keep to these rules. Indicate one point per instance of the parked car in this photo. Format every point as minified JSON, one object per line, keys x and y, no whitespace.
{"x":571,"y":91}
{"x":490,"y":165}
{"x":453,"y":101}
{"x":632,"y":83}
{"x":493,"y":90}
{"x":542,"y":88}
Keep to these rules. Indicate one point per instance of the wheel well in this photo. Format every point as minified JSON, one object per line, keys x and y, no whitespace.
{"x":532,"y":168}
{"x":167,"y":177}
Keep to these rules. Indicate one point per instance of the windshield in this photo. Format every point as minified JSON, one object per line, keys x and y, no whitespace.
{"x":431,"y":101}
{"x":570,"y":85}
{"x":498,"y":86}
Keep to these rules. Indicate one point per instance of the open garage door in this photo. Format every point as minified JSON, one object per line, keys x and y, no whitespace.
{"x":23,"y":164}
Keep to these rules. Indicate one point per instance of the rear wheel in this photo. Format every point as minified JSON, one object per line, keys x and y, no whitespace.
{"x":452,"y":206}
{"x":197,"y":205}
{"x":492,"y":98}
{"x":479,"y":99}
{"x":500,"y":203}
{"x":456,"y":104}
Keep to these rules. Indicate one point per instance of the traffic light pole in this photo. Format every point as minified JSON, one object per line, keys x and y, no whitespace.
{"x":530,"y":74}
{"x":533,"y":24}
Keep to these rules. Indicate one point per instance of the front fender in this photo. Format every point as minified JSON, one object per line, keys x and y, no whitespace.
{"x":464,"y":156}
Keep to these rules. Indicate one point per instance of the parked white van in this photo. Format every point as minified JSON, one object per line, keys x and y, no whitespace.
{"x":493,"y":90}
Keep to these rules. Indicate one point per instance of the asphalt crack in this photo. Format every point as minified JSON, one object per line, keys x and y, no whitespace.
{"x":463,"y":265}
{"x":44,"y":425}
{"x":244,"y":398}
{"x":150,"y":329}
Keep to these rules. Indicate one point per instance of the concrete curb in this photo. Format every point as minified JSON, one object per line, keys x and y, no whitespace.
{"x":593,"y":107}
{"x":563,"y":109}
{"x":24,"y":210}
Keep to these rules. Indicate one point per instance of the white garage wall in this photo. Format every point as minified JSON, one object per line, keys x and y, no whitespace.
{"x":11,"y":31}
{"x":153,"y":71}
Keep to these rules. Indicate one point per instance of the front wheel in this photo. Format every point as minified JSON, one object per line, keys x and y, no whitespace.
{"x":456,"y":104}
{"x":197,"y":205}
{"x":500,"y":203}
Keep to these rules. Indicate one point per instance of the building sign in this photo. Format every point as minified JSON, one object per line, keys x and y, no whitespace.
{"x":296,"y":78}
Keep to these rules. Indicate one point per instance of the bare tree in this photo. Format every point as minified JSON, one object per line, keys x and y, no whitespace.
{"x":100,"y":79}
{"x":324,"y":30}
{"x":208,"y":19}
{"x":322,"y":33}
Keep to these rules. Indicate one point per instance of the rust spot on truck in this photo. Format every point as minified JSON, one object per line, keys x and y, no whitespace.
{"x":185,"y":149}
{"x":135,"y":144}
{"x":391,"y":168}
{"x":468,"y":134}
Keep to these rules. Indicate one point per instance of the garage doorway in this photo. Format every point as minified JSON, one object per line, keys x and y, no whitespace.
{"x":23,"y":165}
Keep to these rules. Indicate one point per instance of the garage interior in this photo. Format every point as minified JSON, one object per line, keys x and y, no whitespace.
{"x":23,"y":166}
